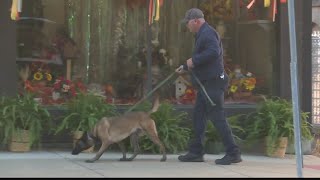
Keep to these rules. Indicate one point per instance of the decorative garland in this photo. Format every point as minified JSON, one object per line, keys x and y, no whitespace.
{"x":16,"y":9}
{"x":267,"y":3}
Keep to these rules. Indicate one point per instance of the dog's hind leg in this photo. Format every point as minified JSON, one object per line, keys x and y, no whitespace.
{"x":103,"y":147}
{"x":123,"y":150}
{"x":153,"y":135}
{"x":134,"y":140}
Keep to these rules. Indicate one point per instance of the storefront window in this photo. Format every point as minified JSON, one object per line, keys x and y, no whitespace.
{"x":101,"y":46}
{"x":315,"y":62}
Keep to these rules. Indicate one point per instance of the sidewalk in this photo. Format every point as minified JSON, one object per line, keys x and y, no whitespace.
{"x":63,"y":164}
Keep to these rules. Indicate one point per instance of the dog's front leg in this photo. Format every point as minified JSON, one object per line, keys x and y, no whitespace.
{"x":123,"y":150}
{"x":103,"y":147}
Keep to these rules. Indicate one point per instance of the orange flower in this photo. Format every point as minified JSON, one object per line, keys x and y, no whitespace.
{"x":252,"y":81}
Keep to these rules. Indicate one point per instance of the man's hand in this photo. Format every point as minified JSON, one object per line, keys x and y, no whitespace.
{"x":180,"y":70}
{"x":190,"y":63}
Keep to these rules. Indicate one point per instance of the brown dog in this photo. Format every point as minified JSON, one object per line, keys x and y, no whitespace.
{"x":115,"y":129}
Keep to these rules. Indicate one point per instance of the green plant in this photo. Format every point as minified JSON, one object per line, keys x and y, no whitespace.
{"x":84,"y":111}
{"x":274,"y":119}
{"x":144,"y":106}
{"x":23,"y":112}
{"x":168,"y":121}
{"x":213,"y":135}
{"x":2,"y":120}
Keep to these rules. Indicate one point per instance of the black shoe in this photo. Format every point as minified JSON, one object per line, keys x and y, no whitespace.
{"x":228,"y":159}
{"x":190,"y":157}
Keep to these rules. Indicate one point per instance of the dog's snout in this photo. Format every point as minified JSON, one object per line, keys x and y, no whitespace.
{"x":74,"y":152}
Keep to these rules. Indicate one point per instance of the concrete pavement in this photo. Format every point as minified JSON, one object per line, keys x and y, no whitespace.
{"x":63,"y":164}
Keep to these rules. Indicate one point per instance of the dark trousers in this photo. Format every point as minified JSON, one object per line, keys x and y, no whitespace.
{"x":204,"y":111}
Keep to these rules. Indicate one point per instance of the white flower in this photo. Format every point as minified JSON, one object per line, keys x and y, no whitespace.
{"x":65,"y":88}
{"x":249,"y":74}
{"x":162,"y":51}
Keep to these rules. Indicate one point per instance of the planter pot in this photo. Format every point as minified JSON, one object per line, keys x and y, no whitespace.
{"x":214,"y":147}
{"x":316,"y":148}
{"x":76,"y":136}
{"x":306,"y":147}
{"x":241,"y":95}
{"x":20,"y":141}
{"x":280,"y":151}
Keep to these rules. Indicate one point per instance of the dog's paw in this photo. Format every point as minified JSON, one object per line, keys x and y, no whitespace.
{"x":125,"y":159}
{"x":163,"y":159}
{"x":90,"y":161}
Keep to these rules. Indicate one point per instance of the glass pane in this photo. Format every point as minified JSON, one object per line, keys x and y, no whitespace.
{"x":70,"y":46}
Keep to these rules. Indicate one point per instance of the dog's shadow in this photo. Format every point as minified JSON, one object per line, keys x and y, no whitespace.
{"x":117,"y":159}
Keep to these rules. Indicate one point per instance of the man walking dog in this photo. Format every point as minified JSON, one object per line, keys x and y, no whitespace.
{"x":206,"y":64}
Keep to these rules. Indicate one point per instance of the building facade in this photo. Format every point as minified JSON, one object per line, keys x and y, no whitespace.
{"x":121,"y":49}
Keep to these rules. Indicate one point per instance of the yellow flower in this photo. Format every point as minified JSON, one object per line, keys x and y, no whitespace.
{"x":49,"y":76}
{"x":242,"y":81}
{"x":37,"y":76}
{"x":250,"y":87}
{"x":233,"y":88}
{"x":250,"y":83}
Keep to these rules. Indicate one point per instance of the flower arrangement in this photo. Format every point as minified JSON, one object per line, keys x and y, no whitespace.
{"x":38,"y":76}
{"x":68,"y":89}
{"x":218,"y":9}
{"x":41,"y":72}
{"x":240,"y":83}
{"x":189,"y":96}
{"x":34,"y":79}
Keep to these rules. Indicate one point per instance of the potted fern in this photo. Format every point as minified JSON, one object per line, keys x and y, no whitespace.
{"x":168,"y":122}
{"x":307,"y":137}
{"x":213,"y":143}
{"x":2,"y":120}
{"x":273,"y":121}
{"x":83,"y":112}
{"x":24,"y":120}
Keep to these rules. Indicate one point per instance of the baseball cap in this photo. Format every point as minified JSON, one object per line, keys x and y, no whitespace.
{"x":193,"y":13}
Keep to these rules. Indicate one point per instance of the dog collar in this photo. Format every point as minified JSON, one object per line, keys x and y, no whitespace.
{"x":93,"y":137}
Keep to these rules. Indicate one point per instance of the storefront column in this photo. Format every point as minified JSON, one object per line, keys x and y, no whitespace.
{"x":303,"y":29}
{"x":305,"y":64}
{"x":8,"y":73}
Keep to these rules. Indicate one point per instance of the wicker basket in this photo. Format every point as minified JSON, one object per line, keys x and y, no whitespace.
{"x":280,"y":151}
{"x":76,"y":136}
{"x":20,"y":141}
{"x":316,"y":150}
{"x":19,"y":147}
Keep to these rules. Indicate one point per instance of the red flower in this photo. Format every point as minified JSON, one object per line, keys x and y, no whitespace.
{"x":67,"y":87}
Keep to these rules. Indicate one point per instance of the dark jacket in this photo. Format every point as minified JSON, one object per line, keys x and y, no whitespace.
{"x":207,"y":56}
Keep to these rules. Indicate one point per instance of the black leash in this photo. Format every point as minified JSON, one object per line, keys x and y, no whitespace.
{"x":152,"y":91}
{"x":203,"y":89}
{"x":163,"y":82}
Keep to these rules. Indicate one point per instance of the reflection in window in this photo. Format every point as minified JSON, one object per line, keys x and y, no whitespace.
{"x":101,"y":47}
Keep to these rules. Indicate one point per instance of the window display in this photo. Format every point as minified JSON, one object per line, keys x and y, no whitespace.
{"x":102,"y":47}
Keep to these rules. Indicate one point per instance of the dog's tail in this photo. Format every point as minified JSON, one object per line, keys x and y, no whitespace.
{"x":156,"y":104}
